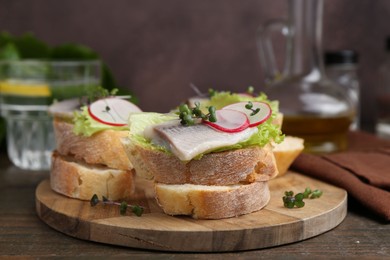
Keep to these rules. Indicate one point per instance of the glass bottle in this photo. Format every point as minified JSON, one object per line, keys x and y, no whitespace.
{"x":314,"y":107}
{"x":383,"y":97}
{"x":341,"y":66}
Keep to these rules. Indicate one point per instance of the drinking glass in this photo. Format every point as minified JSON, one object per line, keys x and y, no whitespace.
{"x":27,"y":88}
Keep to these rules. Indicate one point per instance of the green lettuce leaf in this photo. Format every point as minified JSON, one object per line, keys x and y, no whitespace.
{"x":224,"y":98}
{"x":85,"y":125}
{"x":139,"y":121}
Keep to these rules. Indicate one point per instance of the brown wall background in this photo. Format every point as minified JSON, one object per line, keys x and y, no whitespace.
{"x":157,"y":48}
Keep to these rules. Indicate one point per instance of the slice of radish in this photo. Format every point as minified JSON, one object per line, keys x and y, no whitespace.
{"x":112,"y":111}
{"x":255,"y":120}
{"x":230,"y":121}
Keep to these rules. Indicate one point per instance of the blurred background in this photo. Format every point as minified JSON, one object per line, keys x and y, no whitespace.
{"x":157,"y":48}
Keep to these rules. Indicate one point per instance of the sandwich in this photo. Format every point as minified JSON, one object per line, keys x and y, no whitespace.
{"x":210,"y":161}
{"x":285,"y":151}
{"x":89,"y":157}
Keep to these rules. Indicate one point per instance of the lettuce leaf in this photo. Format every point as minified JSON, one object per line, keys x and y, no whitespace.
{"x":139,"y":121}
{"x":224,"y":98}
{"x":85,"y":125}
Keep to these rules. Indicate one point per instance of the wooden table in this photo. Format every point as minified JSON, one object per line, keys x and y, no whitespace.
{"x":23,"y":234}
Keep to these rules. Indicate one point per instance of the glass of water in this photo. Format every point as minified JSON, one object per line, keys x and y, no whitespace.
{"x":27,"y":89}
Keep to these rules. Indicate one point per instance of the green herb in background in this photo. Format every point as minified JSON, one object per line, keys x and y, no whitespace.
{"x":72,"y":52}
{"x":9,"y":52}
{"x":2,"y":134}
{"x":26,"y":46}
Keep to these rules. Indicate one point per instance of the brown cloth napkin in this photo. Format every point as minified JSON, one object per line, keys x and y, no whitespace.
{"x":363,"y":171}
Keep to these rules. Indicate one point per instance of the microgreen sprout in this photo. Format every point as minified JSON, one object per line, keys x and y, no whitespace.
{"x":250,"y":90}
{"x":316,"y":194}
{"x":290,"y":201}
{"x":212,"y":92}
{"x":123,"y":206}
{"x":306,"y":193}
{"x":107,"y":110}
{"x":187,"y":115}
{"x":249,"y":106}
{"x":96,"y":93}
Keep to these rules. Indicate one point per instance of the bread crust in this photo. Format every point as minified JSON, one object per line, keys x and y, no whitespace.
{"x":223,"y":168}
{"x":103,"y":147}
{"x":212,"y":202}
{"x":78,"y":180}
{"x":286,"y":152}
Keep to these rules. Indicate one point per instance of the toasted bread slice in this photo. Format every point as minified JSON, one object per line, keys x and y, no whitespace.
{"x":286,"y":152}
{"x":222,"y":168}
{"x":79,"y":180}
{"x":212,"y":202}
{"x":103,"y":147}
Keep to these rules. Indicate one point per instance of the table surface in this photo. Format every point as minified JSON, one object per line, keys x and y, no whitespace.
{"x":22,"y":233}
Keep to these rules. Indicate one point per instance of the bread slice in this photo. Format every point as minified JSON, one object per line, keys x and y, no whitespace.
{"x":103,"y":147}
{"x":222,"y":168}
{"x":79,"y":180}
{"x":212,"y":202}
{"x":286,"y":152}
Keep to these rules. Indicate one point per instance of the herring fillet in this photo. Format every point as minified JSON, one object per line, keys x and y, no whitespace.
{"x":186,"y":142}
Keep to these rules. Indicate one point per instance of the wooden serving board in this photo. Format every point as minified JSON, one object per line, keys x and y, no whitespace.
{"x":274,"y":225}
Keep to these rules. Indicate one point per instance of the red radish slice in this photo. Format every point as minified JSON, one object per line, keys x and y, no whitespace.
{"x":230,"y":121}
{"x":112,"y":111}
{"x":255,"y":120}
